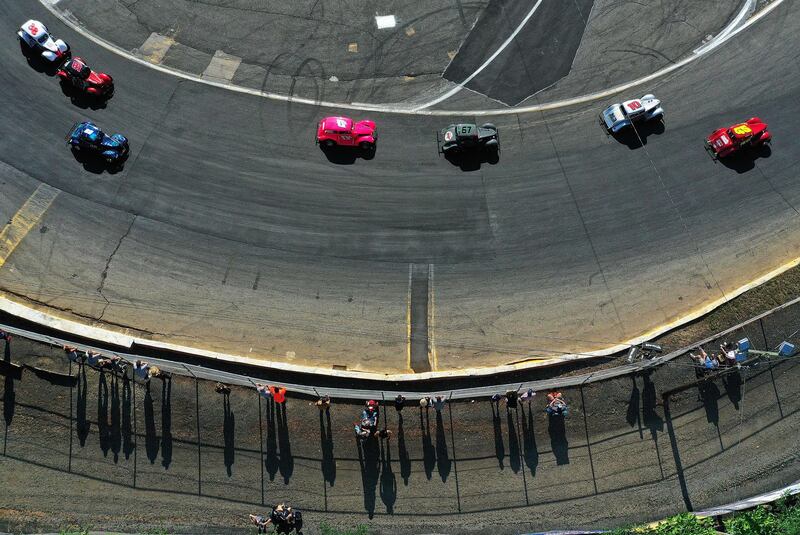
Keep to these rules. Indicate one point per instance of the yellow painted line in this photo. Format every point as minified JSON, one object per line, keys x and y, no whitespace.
{"x":432,"y":358}
{"x":408,"y":321}
{"x":27,"y":217}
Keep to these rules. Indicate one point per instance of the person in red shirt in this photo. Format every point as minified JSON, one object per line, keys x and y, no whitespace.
{"x":278,"y":393}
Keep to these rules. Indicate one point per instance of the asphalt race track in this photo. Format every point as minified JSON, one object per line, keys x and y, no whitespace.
{"x":228,"y":229}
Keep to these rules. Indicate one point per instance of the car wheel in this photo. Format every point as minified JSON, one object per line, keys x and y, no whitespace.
{"x":366,"y":146}
{"x":328,"y":143}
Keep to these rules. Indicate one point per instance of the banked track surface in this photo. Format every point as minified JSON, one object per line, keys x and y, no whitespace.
{"x":229,"y":230}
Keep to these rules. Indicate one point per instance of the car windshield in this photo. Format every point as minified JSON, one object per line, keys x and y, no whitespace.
{"x":42,"y":39}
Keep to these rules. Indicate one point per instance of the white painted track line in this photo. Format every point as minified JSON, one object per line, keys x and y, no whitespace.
{"x":486,"y":63}
{"x":705,"y":49}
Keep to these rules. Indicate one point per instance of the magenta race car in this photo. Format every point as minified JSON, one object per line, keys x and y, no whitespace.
{"x":344,"y":132}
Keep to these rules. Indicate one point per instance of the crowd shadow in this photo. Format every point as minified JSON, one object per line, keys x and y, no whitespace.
{"x":286,"y":463}
{"x":428,"y":451}
{"x":499,"y":446}
{"x":228,"y":433}
{"x":127,"y":421}
{"x":81,"y":422}
{"x":328,"y":464}
{"x":529,"y":440}
{"x":166,"y":422}
{"x":558,"y":439}
{"x":388,"y":483}
{"x":443,"y":461}
{"x":271,"y":460}
{"x":279,"y":457}
{"x":103,"y":429}
{"x":732,"y":382}
{"x":150,"y":436}
{"x":632,"y":415}
{"x":368,"y":460}
{"x":402,"y":451}
{"x":652,"y":420}
{"x":9,"y":395}
{"x":513,"y":442}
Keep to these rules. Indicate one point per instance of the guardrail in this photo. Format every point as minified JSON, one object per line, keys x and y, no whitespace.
{"x":764,"y":330}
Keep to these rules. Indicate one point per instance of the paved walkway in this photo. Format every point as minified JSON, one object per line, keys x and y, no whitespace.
{"x":191,"y":458}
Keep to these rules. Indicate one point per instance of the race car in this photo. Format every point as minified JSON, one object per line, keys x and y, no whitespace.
{"x":344,"y":132}
{"x":77,"y":74}
{"x":619,"y":116}
{"x":87,"y":136}
{"x":464,"y":139}
{"x":726,"y":141}
{"x":35,"y":36}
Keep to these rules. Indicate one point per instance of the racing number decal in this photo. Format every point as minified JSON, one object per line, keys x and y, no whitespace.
{"x":635,"y":105}
{"x":742,"y":129}
{"x":448,"y":136}
{"x":341,"y":123}
{"x":33,"y":29}
{"x":466,"y":129}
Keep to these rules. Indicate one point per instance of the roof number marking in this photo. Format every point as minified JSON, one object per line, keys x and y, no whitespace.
{"x":341,"y":123}
{"x":742,"y":129}
{"x":634,"y":105}
{"x":34,"y":29}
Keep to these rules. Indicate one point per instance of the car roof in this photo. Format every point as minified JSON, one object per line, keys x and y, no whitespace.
{"x":332,"y":122}
{"x":35,"y":23}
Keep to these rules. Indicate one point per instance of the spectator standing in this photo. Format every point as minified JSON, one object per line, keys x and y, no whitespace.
{"x":5,"y":336}
{"x":323,"y":403}
{"x":528,"y":395}
{"x":220,"y":388}
{"x":141,"y":369}
{"x":278,"y":393}
{"x":263,"y":391}
{"x":399,"y":401}
{"x":72,"y":354}
{"x":93,"y":358}
{"x":438,"y":403}
{"x":511,"y":399}
{"x":556,"y":406}
{"x":424,"y":402}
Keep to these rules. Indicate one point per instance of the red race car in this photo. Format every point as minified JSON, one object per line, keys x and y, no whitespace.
{"x":726,"y":141}
{"x":76,"y":73}
{"x":343,"y":131}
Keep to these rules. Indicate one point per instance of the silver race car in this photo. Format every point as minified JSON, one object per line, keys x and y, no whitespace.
{"x":35,"y":36}
{"x":619,"y":116}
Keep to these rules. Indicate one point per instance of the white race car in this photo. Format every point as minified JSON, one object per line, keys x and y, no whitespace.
{"x":619,"y":116}
{"x":35,"y":36}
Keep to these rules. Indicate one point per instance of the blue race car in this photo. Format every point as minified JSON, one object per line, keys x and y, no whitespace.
{"x":88,"y":136}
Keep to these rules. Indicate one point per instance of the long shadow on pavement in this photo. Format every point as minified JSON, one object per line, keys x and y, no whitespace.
{"x":286,"y":464}
{"x":529,"y":440}
{"x":442,"y":457}
{"x":428,"y":451}
{"x":499,"y":447}
{"x":388,"y":480}
{"x":558,"y":439}
{"x":228,"y":432}
{"x":513,"y":442}
{"x":81,"y":424}
{"x":150,"y":437}
{"x":166,"y":422}
{"x":368,"y":459}
{"x":127,"y":422}
{"x":405,"y":460}
{"x":326,"y":445}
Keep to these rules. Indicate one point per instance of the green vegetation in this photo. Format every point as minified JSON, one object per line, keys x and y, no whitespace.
{"x":780,"y":518}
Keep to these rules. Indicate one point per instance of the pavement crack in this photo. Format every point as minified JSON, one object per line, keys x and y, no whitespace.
{"x":104,"y":274}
